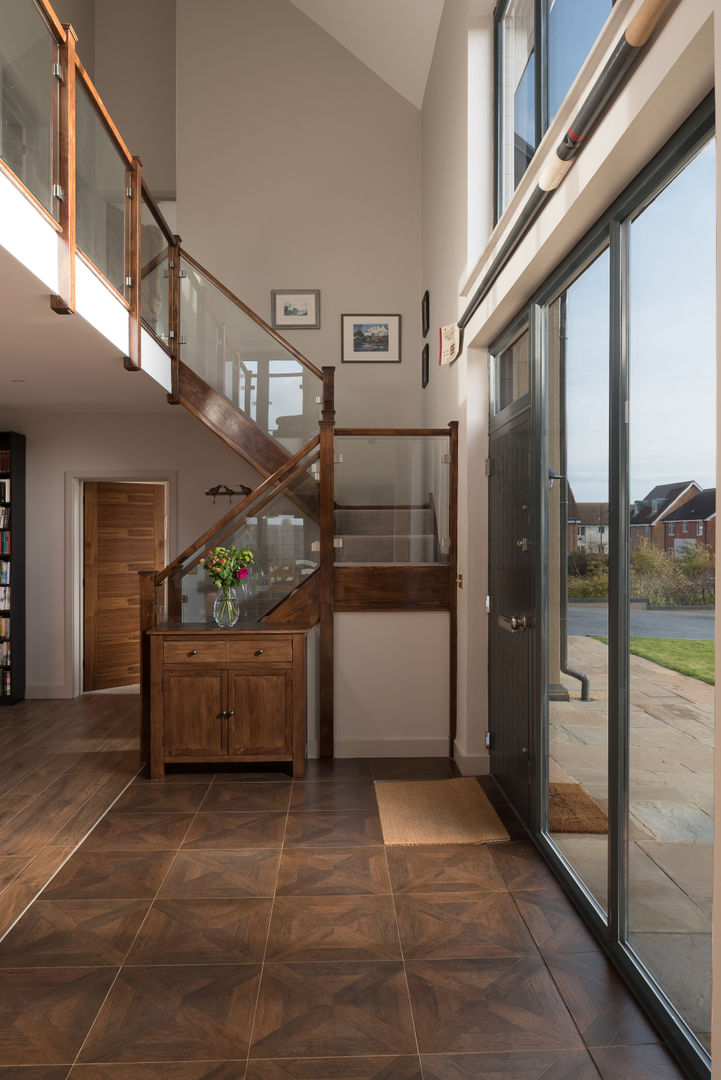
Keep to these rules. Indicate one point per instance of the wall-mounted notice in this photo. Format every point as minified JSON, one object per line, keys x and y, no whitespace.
{"x":451,"y":343}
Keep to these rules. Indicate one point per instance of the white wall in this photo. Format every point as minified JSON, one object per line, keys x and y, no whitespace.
{"x":81,"y":15}
{"x":299,"y":168}
{"x":91,"y":445}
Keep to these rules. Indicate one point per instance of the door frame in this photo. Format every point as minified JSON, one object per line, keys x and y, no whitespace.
{"x":74,"y":483}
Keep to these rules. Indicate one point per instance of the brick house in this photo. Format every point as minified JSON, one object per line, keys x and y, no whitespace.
{"x":648,"y":514}
{"x":694,"y":522}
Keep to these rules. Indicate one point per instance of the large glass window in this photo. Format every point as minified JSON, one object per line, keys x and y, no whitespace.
{"x":533,"y":81}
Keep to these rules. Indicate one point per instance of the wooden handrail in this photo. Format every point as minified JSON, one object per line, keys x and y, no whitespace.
{"x":54,"y":24}
{"x":220,"y":532}
{"x":253,"y":315}
{"x":157,"y":213}
{"x":154,"y":263}
{"x":274,"y":480}
{"x":380,"y":433}
{"x":103,"y":112}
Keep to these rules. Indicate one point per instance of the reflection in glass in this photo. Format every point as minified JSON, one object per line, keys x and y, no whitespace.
{"x":578,"y":350}
{"x":510,"y":373}
{"x":240,"y":360}
{"x":101,"y":199}
{"x":672,"y":486}
{"x":518,"y":94}
{"x":392,"y":498}
{"x":572,"y":30}
{"x":154,"y":275}
{"x":27,"y":54}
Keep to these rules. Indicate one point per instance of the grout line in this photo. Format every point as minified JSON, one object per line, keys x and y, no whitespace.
{"x":403,"y":960}
{"x":132,"y":943}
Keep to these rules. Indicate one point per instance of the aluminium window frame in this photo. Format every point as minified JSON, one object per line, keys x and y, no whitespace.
{"x":612,"y":230}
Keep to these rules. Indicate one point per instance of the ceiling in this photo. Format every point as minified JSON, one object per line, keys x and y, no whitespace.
{"x":50,"y":361}
{"x":394,"y":38}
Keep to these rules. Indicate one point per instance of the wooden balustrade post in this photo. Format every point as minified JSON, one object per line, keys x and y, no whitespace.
{"x":63,"y":302}
{"x":147,"y":622}
{"x":174,"y":319}
{"x":134,"y":264}
{"x":327,"y":567}
{"x":453,"y":586}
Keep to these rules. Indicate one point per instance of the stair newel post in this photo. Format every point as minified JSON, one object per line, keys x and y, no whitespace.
{"x":327,"y":556}
{"x":147,"y":622}
{"x":453,"y":584}
{"x":174,"y":317}
{"x":64,"y":302}
{"x":134,"y":265}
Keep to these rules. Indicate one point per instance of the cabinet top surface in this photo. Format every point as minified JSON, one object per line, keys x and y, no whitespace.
{"x":249,"y":627}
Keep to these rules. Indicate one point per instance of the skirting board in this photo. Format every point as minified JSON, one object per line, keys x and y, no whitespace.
{"x":365,"y":748}
{"x":471,"y":764}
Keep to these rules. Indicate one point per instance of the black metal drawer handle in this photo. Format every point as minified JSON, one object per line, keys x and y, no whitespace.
{"x":193,"y":652}
{"x":258,"y":652}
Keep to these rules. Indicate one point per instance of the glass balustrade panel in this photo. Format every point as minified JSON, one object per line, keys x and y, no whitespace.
{"x":284,"y":537}
{"x":392,"y":495}
{"x":245,"y":363}
{"x":154,"y":276}
{"x":101,"y":199}
{"x":27,"y":54}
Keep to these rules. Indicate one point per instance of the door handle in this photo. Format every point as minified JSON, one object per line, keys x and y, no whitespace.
{"x":514,"y":624}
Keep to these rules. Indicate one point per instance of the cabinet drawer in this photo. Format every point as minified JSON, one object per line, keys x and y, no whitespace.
{"x":195,"y":651}
{"x":274,"y":649}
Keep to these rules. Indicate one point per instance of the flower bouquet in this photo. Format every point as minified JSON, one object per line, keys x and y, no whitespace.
{"x":227,"y":568}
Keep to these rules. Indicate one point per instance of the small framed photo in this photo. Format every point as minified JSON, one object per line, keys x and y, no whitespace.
{"x":371,"y":339}
{"x":295,"y":309}
{"x":425,"y":365}
{"x":426,"y":313}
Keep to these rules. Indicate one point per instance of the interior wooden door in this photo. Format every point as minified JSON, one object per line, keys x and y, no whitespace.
{"x":124,"y":532}
{"x":511,"y":586}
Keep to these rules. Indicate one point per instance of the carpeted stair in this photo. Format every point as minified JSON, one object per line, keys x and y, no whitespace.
{"x":386,"y":534}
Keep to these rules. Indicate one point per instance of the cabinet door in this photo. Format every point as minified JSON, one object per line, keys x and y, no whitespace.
{"x":260,"y":714}
{"x":192,"y":721}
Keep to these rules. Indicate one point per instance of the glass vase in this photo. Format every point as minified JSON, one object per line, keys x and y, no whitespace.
{"x":226,"y":609}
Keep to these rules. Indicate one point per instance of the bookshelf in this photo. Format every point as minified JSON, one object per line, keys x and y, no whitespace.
{"x":12,"y":567}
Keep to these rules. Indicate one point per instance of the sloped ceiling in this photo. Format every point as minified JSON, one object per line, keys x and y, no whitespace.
{"x":394,"y":38}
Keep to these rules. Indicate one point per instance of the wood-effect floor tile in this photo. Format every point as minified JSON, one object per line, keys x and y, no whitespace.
{"x":211,"y":873}
{"x":333,"y":828}
{"x":347,"y":1068}
{"x":522,"y":867}
{"x":165,"y":799}
{"x":46,"y":1013}
{"x":543,"y":1065}
{"x":73,"y":933}
{"x":109,"y":875}
{"x":175,"y":1014}
{"x":26,"y":886}
{"x":203,"y":931}
{"x":444,"y":868}
{"x":412,"y":768}
{"x":330,"y":1010}
{"x":333,"y":795}
{"x":636,"y":1063}
{"x":604,"y":1009}
{"x":138,"y":832}
{"x":461,"y":925}
{"x":469,"y":1006}
{"x":34,"y":1072}
{"x":317,"y":928}
{"x":171,"y":1070}
{"x":10,"y":867}
{"x":333,"y":871}
{"x":554,"y":923}
{"x":232,"y":830}
{"x":249,"y":774}
{"x":247,"y":797}
{"x":338,"y":769}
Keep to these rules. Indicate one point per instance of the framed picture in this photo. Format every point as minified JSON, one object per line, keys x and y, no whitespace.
{"x":295,"y":309}
{"x":425,"y":313}
{"x":425,"y":365}
{"x":371,"y":339}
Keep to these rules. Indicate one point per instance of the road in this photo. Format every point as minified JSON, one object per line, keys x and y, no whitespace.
{"x":593,"y":620}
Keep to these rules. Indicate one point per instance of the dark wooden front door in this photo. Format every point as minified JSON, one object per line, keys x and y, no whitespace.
{"x":511,"y":618}
{"x":124,"y":530}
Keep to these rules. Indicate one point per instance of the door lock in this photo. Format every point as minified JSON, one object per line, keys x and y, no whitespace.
{"x":514,"y":624}
{"x":524,"y":543}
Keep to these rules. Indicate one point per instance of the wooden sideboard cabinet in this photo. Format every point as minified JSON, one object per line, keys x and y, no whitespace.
{"x":226,"y":695}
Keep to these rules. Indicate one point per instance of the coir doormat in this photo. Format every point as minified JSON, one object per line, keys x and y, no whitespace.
{"x":454,"y":811}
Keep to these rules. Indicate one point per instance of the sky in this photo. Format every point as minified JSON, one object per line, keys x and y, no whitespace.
{"x":672,"y":346}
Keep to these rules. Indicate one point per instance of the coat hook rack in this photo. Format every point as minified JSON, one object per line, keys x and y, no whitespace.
{"x":223,"y":489}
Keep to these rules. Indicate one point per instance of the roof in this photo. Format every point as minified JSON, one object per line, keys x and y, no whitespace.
{"x":571,"y":508}
{"x":663,"y":495}
{"x":700,"y":508}
{"x":592,"y":513}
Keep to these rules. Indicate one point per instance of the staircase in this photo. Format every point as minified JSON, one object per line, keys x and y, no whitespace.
{"x":386,"y":534}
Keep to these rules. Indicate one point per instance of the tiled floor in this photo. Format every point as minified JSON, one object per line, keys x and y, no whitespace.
{"x":232,"y":926}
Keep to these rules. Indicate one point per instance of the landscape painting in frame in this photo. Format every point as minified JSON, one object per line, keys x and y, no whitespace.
{"x":295,"y":309}
{"x":371,"y":339}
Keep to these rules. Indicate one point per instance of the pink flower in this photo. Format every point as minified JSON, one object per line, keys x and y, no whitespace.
{"x":242,"y":573}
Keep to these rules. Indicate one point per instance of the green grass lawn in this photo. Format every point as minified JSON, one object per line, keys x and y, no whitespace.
{"x":694,"y":658}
